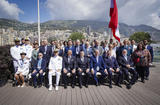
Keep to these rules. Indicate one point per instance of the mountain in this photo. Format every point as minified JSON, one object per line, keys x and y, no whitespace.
{"x":96,"y":26}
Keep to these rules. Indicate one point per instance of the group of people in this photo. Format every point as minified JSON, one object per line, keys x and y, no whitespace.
{"x":82,"y":59}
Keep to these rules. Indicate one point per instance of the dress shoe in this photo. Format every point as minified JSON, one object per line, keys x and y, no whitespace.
{"x":65,"y":86}
{"x":80,"y":86}
{"x":72,"y":85}
{"x":110,"y":86}
{"x":35,"y":86}
{"x":129,"y":86}
{"x":86,"y":85}
{"x":119,"y":85}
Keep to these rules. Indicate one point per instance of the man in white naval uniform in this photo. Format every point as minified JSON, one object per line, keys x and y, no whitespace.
{"x":23,"y":69}
{"x":27,"y":48}
{"x":55,"y":67}
{"x":15,"y":53}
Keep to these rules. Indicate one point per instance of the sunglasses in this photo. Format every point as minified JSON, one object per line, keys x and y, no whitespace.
{"x":39,"y":55}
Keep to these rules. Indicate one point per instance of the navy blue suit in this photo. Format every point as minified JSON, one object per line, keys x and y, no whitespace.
{"x":119,"y":51}
{"x":70,"y":48}
{"x":121,"y":48}
{"x":88,"y":52}
{"x":111,"y":62}
{"x":94,"y":65}
{"x":150,"y":48}
{"x":123,"y":62}
{"x":152,"y":55}
{"x":83,"y":65}
{"x":69,"y":66}
{"x":46,"y":54}
{"x":43,"y":67}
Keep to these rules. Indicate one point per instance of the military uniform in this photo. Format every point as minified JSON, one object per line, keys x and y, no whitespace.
{"x":15,"y":53}
{"x":55,"y":67}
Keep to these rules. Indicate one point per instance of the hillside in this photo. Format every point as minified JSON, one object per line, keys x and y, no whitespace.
{"x":99,"y":26}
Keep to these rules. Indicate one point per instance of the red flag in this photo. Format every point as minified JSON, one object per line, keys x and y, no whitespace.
{"x":113,"y":24}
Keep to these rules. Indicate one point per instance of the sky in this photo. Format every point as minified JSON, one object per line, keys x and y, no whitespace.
{"x":131,"y":12}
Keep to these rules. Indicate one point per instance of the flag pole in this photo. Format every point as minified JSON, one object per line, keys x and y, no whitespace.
{"x":39,"y":37}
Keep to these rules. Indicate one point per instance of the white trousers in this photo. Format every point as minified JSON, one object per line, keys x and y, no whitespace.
{"x":15,"y":64}
{"x":51,"y":73}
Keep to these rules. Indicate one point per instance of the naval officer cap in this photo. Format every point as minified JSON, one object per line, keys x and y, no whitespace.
{"x":27,"y":39}
{"x":17,"y":40}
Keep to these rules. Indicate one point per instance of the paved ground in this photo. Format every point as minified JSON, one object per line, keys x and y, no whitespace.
{"x":140,"y":94}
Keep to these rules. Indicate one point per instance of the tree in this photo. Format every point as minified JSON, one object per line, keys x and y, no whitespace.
{"x":76,"y":35}
{"x":140,"y":36}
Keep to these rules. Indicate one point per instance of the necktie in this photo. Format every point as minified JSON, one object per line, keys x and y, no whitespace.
{"x":52,"y":48}
{"x":69,"y":59}
{"x":82,"y":59}
{"x":77,"y":49}
{"x":126,"y":58}
{"x":45,"y":48}
{"x":39,"y":63}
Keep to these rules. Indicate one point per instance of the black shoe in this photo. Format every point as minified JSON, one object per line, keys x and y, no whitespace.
{"x":97,"y":84}
{"x":119,"y":85}
{"x":35,"y":86}
{"x":132,"y":83}
{"x":40,"y":86}
{"x":146,"y":78}
{"x":72,"y":85}
{"x":129,"y":86}
{"x":110,"y":86}
{"x":143,"y":81}
{"x":65,"y":86}
{"x":80,"y":86}
{"x":86,"y":85}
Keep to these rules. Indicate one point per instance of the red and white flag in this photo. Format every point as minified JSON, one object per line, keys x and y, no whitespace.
{"x":113,"y":24}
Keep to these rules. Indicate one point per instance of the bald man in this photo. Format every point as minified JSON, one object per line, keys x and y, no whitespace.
{"x":127,"y":66}
{"x":69,"y":68}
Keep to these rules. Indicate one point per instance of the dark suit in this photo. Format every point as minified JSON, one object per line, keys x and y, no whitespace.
{"x":46,"y":52}
{"x":111,"y":62}
{"x":119,"y":51}
{"x":123,"y":62}
{"x":88,"y":52}
{"x":43,"y":67}
{"x":69,"y":66}
{"x":77,"y":50}
{"x":95,"y":65}
{"x":121,"y":48}
{"x":83,"y":65}
{"x":69,"y":48}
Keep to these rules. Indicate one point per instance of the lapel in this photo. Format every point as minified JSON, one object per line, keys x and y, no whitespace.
{"x":126,"y":61}
{"x":81,"y":60}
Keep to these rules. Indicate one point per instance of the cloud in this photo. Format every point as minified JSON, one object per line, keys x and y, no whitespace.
{"x":136,"y":12}
{"x":78,"y":9}
{"x":132,"y":12}
{"x":9,"y":10}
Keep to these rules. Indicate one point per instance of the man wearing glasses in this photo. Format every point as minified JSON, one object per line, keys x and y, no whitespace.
{"x":39,"y":68}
